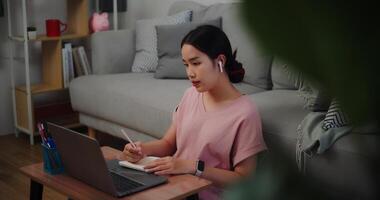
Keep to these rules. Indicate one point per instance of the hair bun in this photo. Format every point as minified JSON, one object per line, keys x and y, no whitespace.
{"x":237,"y":72}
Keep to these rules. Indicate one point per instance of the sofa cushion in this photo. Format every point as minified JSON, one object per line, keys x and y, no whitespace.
{"x":281,"y":112}
{"x":255,"y":62}
{"x":350,"y":162}
{"x":169,"y":39}
{"x":146,"y":40}
{"x":112,"y":51}
{"x":134,"y":100}
{"x":113,"y":128}
{"x":280,"y":77}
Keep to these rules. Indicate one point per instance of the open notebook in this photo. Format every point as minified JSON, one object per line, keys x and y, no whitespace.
{"x":138,"y":165}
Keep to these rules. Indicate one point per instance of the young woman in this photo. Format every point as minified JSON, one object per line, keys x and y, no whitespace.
{"x":215,"y":131}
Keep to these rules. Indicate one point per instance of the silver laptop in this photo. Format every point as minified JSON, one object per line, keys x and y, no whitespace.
{"x":83,"y":160}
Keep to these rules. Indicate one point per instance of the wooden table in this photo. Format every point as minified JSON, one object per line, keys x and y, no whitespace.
{"x":177,"y":187}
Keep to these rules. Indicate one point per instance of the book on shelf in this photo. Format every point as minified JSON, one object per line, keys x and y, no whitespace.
{"x":81,"y":62}
{"x":69,"y":51}
{"x":84,"y":60}
{"x":67,"y":64}
{"x":77,"y":63}
{"x":65,"y":68}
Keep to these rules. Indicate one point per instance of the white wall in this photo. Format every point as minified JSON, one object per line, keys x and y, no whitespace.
{"x":39,"y":10}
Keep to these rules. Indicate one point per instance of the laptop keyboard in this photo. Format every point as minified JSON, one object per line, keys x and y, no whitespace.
{"x":124,"y":184}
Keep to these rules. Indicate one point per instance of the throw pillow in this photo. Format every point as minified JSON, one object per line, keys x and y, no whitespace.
{"x":335,"y":117}
{"x":316,"y":99}
{"x":146,"y":40}
{"x":169,"y":39}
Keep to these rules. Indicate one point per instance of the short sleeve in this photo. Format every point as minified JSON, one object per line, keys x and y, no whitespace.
{"x":249,"y":139}
{"x":174,"y":115}
{"x":178,"y":109}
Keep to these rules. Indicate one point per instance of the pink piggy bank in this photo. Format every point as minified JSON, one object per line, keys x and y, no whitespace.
{"x":99,"y":22}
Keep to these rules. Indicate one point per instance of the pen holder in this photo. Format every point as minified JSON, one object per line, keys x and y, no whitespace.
{"x":52,"y":160}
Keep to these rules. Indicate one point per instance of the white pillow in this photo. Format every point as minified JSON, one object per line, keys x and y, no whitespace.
{"x":146,"y":59}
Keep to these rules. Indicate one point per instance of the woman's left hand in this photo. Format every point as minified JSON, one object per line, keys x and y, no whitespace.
{"x":170,"y":165}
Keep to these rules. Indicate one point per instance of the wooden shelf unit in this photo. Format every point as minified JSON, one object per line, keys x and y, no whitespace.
{"x":52,"y":69}
{"x":37,"y":88}
{"x":41,"y":38}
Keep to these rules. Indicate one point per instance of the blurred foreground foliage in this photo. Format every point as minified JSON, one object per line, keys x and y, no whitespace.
{"x":334,"y":43}
{"x":275,"y":178}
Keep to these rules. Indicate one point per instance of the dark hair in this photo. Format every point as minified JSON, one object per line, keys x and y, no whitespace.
{"x":212,"y":41}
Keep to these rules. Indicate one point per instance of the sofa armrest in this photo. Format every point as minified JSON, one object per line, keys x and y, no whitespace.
{"x":112,"y":51}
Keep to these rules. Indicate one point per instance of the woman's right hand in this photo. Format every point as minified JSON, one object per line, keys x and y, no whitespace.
{"x":132,"y":154}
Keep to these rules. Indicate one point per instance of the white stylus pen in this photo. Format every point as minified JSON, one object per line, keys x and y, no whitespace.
{"x":129,"y":139}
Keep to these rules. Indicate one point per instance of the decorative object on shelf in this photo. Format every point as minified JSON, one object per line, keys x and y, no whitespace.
{"x":32,"y":32}
{"x":114,"y":7}
{"x":99,"y":22}
{"x":53,"y":27}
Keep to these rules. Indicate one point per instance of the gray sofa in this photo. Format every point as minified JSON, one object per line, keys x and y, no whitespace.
{"x":115,"y":98}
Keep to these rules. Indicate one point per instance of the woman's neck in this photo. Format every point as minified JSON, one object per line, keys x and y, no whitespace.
{"x":223,"y":91}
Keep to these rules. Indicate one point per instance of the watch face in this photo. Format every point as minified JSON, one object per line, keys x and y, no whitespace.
{"x":200,"y":168}
{"x":201,"y":165}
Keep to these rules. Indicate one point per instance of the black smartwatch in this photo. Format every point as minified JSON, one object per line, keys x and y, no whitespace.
{"x":200,"y":168}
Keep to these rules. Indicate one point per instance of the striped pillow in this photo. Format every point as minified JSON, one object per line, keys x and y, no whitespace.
{"x":146,"y":58}
{"x":335,"y":117}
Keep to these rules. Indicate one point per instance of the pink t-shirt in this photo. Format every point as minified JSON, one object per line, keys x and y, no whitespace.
{"x":221,"y":138}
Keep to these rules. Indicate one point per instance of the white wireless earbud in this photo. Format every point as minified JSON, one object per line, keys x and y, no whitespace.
{"x":220,"y":66}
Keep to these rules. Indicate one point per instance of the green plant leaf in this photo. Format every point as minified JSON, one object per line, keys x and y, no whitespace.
{"x":334,"y":43}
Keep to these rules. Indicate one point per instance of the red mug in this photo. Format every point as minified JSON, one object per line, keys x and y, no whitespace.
{"x":53,"y":27}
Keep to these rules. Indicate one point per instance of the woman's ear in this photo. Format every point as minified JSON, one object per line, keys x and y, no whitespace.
{"x":221,"y":60}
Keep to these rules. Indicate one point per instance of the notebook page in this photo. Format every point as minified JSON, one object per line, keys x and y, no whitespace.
{"x":139,"y":165}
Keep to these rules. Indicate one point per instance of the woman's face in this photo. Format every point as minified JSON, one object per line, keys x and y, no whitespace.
{"x":200,"y":69}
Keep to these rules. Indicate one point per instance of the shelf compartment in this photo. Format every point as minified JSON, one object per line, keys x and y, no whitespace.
{"x":77,"y":23}
{"x":52,"y":105}
{"x":52,"y":73}
{"x":38,"y":88}
{"x":77,"y":17}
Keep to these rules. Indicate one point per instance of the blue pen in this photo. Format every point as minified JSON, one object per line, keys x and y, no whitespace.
{"x":51,"y":143}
